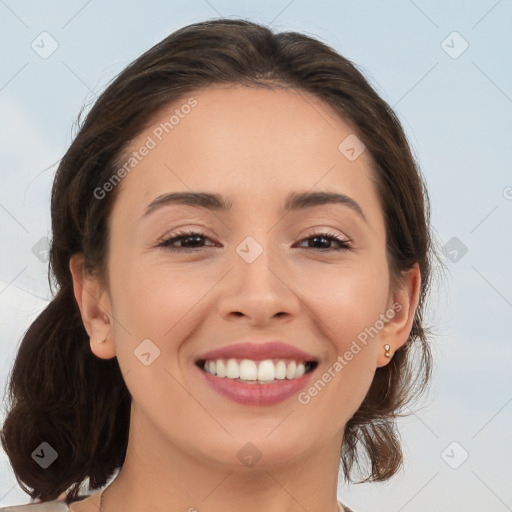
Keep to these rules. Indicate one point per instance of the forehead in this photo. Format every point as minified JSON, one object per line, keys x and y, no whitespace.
{"x":243,"y":141}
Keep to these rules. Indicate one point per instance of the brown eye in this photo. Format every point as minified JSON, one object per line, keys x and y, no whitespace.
{"x":189,"y":240}
{"x":324,"y":239}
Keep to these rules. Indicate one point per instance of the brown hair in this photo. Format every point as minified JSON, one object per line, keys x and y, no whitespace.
{"x":59,"y":392}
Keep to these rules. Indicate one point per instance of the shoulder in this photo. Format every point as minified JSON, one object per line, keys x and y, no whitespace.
{"x":48,"y":506}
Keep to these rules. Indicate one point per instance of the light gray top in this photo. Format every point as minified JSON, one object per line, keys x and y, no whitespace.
{"x":61,"y":506}
{"x":47,"y":506}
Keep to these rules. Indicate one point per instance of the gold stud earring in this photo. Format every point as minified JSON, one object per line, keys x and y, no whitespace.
{"x":101,"y":341}
{"x":387,"y":353}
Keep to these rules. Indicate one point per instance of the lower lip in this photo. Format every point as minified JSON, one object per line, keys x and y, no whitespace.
{"x":256,"y":394}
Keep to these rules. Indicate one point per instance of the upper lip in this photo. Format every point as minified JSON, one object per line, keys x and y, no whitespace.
{"x":257,"y":352}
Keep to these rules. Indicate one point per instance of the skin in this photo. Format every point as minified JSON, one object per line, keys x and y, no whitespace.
{"x":256,"y":146}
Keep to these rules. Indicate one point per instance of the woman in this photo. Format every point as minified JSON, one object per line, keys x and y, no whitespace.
{"x":242,"y":251}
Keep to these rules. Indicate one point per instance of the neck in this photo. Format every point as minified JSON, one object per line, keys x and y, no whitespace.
{"x":158,"y":474}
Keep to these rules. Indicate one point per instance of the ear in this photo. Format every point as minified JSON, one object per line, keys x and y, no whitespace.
{"x":94,"y":305}
{"x":401,"y":311}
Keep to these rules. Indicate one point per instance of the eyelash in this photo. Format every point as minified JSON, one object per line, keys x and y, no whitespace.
{"x":166,"y":243}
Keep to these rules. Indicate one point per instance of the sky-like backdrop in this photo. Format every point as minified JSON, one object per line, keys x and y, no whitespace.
{"x":444,"y":66}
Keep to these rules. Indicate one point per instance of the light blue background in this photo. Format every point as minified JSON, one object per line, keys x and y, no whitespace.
{"x":458,"y":116}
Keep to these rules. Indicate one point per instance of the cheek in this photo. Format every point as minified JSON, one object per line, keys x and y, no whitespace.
{"x":154,"y":310}
{"x":157,"y":301}
{"x":349,"y":304}
{"x":347,"y":299}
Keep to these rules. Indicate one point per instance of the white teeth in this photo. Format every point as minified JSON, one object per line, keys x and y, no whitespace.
{"x":300,"y":370}
{"x":210,"y":365}
{"x":232,"y":369}
{"x":249,"y":370}
{"x":280,"y":370}
{"x":266,"y":370}
{"x":290,"y":371}
{"x":221,"y":369}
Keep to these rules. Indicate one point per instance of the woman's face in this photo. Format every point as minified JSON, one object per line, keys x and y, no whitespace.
{"x":259,"y":271}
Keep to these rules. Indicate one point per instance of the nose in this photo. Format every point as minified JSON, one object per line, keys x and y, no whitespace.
{"x":258,"y":292}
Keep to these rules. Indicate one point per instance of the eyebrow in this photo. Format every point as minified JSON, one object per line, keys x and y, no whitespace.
{"x":294,"y":202}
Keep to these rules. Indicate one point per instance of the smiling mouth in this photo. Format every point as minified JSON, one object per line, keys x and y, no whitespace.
{"x":250,"y":371}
